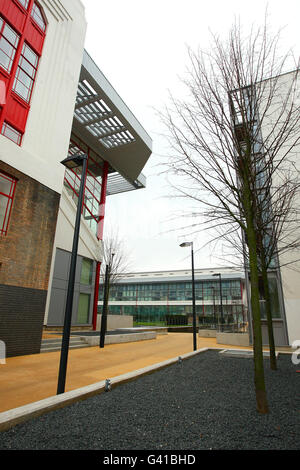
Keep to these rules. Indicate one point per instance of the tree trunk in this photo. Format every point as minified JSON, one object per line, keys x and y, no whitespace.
{"x":259,"y":378}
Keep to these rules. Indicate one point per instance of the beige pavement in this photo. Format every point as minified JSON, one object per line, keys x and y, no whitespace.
{"x":26,"y":379}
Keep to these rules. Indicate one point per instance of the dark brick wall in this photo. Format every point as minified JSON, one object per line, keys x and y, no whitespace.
{"x":26,"y":250}
{"x":21,"y":319}
{"x":25,"y":260}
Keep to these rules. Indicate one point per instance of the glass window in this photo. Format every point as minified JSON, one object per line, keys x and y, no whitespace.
{"x":24,"y":3}
{"x":274,"y":299}
{"x":86,"y":271}
{"x":37,"y":16}
{"x":8,"y":44}
{"x":25,"y":74}
{"x":83,"y":308}
{"x":7,"y":190}
{"x":11,"y":133}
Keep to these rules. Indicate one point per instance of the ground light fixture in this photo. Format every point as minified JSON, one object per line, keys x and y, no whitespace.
{"x":70,"y":163}
{"x":221,"y":301}
{"x":184,"y":245}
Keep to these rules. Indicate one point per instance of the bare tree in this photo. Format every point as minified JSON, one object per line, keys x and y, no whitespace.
{"x":115,"y":262}
{"x":233,"y":140}
{"x":116,"y":255}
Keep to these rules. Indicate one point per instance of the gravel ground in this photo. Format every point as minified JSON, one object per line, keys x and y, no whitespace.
{"x":205,"y":402}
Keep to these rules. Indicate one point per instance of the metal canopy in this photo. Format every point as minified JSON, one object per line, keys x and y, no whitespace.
{"x":105,"y":124}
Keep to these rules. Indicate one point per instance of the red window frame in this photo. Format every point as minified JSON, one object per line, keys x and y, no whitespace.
{"x":28,"y":21}
{"x":14,"y":46}
{"x":24,"y":3}
{"x":11,"y":133}
{"x":38,"y":17}
{"x":25,"y":67}
{"x":94,"y":191}
{"x":8,"y":202}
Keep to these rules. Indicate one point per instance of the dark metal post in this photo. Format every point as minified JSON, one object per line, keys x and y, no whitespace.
{"x":221,"y":303}
{"x":104,"y":309}
{"x":215,"y":319}
{"x":70,"y":293}
{"x":194,"y":303}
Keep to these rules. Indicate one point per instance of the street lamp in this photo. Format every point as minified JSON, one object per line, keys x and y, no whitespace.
{"x":183,"y":245}
{"x":215,"y":322}
{"x":71,"y":162}
{"x":221,"y":302}
{"x":105,"y":302}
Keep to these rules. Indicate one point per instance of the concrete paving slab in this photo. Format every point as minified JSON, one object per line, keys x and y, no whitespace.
{"x":28,"y":379}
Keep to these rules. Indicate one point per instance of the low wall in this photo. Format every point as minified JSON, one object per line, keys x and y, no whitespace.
{"x":233,"y":339}
{"x":207,"y":333}
{"x":180,"y":329}
{"x":123,"y":338}
{"x":160,"y":330}
{"x":116,"y":321}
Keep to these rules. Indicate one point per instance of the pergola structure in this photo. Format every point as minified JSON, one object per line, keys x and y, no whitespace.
{"x":105,"y":124}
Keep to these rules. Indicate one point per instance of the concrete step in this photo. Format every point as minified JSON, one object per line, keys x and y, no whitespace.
{"x":49,"y":345}
{"x":59,"y":340}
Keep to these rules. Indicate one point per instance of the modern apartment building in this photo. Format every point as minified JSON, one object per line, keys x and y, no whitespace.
{"x":269,"y":110}
{"x":55,"y":101}
{"x":165,"y":297}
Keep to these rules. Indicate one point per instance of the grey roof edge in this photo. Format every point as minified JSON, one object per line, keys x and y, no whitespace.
{"x":289,"y":72}
{"x":169,"y":280}
{"x":142,"y":180}
{"x":115,"y":98}
{"x":197,"y":270}
{"x":179,"y":275}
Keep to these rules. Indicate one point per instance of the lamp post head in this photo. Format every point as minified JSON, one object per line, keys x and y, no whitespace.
{"x":185,"y":244}
{"x":74,"y":160}
{"x":217,"y":274}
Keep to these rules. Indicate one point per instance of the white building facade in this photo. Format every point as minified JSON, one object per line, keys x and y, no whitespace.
{"x":54,"y":102}
{"x":289,"y":261}
{"x":271,"y":113}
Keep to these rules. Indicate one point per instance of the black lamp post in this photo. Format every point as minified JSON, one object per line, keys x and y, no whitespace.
{"x":71,"y":162}
{"x":215,"y":322}
{"x":183,"y":245}
{"x":221,"y":300}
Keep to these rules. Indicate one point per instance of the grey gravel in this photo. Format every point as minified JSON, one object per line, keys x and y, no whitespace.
{"x":204,"y":402}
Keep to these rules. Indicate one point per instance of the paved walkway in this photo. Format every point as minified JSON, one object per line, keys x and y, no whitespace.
{"x":26,"y":379}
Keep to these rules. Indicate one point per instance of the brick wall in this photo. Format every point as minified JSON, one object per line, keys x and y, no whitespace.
{"x":21,"y":319}
{"x":25,"y":258}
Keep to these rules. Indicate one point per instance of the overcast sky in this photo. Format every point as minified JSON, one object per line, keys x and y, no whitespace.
{"x":140,"y":46}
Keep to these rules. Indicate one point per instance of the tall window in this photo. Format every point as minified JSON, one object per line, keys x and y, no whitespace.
{"x":83,"y":308}
{"x":7,"y":191}
{"x":24,"y":3}
{"x":26,"y":72}
{"x":86,"y":271}
{"x":37,"y":15}
{"x":8,"y":44}
{"x":11,"y":133}
{"x":22,"y":35}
